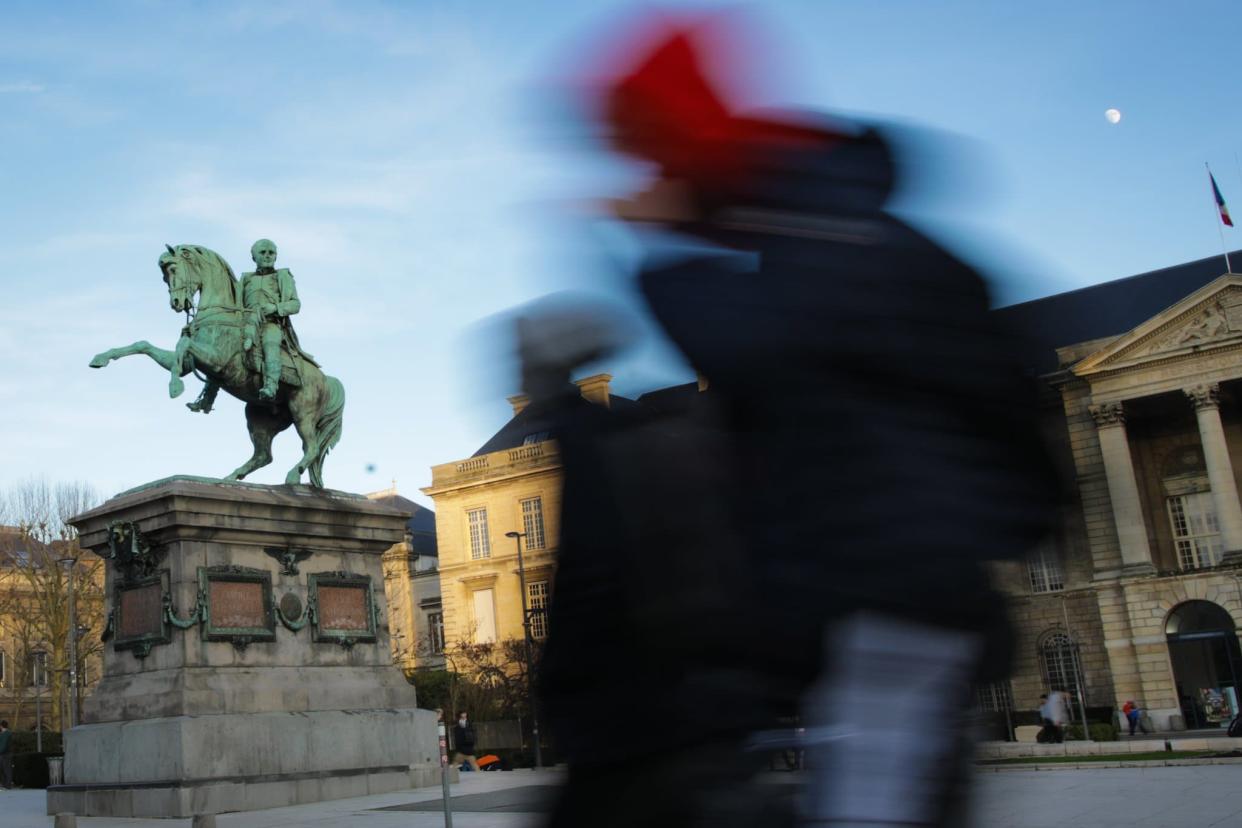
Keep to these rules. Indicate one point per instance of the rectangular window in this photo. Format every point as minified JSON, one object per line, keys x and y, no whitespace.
{"x":994,"y":698}
{"x":532,"y":522}
{"x":484,"y":617}
{"x":1043,"y":569}
{"x":537,"y":601}
{"x":435,"y":632}
{"x":480,"y":541}
{"x":36,"y":670}
{"x":1195,"y":531}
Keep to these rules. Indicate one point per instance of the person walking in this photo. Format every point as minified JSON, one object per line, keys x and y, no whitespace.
{"x":1133,"y":715}
{"x":6,"y":755}
{"x":463,"y":741}
{"x":1054,"y":715}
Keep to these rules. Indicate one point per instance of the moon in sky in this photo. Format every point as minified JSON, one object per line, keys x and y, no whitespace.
{"x":1112,"y":115}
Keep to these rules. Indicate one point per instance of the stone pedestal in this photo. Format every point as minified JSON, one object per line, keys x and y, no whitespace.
{"x":247,"y":663}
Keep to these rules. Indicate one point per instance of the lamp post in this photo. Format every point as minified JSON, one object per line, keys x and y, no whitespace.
{"x":1078,"y":671}
{"x":530,"y":668}
{"x":70,"y":563}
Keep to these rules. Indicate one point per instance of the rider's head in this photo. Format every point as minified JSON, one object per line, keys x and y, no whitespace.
{"x":263,"y":252}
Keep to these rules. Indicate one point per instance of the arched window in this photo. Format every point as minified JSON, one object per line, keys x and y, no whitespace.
{"x":1059,"y":658}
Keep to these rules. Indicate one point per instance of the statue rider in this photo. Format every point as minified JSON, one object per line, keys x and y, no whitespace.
{"x":269,"y":297}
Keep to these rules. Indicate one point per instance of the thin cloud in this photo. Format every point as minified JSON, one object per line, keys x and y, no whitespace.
{"x":22,"y":88}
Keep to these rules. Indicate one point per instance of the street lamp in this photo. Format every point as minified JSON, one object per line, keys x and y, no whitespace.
{"x":1076,"y":655}
{"x":70,"y":563}
{"x":530,"y":669}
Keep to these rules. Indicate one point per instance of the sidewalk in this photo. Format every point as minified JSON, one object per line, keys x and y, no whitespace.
{"x":1149,"y":743}
{"x":1164,"y":797}
{"x":486,"y":794}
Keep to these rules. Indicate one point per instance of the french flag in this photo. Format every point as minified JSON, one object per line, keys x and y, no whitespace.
{"x":1220,"y":201}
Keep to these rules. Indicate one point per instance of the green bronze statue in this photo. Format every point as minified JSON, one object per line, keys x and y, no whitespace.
{"x":239,"y":338}
{"x":270,"y":297}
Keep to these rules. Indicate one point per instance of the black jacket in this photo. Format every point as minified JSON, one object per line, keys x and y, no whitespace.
{"x":463,"y":738}
{"x":888,"y":438}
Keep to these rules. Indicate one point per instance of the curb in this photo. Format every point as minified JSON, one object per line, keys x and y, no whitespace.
{"x":1121,"y":763}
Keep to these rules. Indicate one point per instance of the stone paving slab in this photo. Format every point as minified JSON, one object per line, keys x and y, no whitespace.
{"x":531,"y":799}
{"x":1205,"y":796}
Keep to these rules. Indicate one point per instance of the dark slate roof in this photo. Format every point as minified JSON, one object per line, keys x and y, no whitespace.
{"x":535,"y":420}
{"x":421,"y":525}
{"x":671,"y":398}
{"x":1108,"y":309}
{"x":1042,"y":325}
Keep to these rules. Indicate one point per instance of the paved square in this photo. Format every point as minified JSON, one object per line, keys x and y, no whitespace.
{"x":1205,"y":796}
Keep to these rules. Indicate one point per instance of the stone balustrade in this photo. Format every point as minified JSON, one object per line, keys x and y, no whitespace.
{"x":495,"y":465}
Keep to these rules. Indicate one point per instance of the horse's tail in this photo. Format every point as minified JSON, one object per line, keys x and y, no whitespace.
{"x":328,"y":427}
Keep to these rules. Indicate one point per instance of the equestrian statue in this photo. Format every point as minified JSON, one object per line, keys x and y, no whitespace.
{"x":239,"y":337}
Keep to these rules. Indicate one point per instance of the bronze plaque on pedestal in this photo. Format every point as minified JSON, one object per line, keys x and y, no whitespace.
{"x":344,"y":608}
{"x":138,"y":614}
{"x":237,"y":604}
{"x":141,"y":611}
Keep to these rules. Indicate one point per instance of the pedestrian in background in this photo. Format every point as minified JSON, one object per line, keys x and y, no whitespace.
{"x":6,"y":755}
{"x":463,"y":741}
{"x":1133,"y":715}
{"x":1054,"y":715}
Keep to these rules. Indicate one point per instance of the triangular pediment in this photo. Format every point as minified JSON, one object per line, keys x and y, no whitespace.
{"x":1207,"y":319}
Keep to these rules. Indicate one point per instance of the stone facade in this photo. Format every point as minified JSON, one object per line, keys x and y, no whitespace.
{"x":514,"y":488}
{"x":1151,"y":429}
{"x":1145,"y":419}
{"x":33,"y":687}
{"x":412,"y":586}
{"x":477,"y":502}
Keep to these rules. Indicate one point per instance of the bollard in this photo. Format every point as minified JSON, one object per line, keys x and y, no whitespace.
{"x":65,"y":821}
{"x":203,"y":821}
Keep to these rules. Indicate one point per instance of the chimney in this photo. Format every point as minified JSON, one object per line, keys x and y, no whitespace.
{"x":595,"y":388}
{"x":519,"y":402}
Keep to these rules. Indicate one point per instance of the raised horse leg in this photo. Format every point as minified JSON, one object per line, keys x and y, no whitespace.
{"x":162,"y":357}
{"x":264,"y":424}
{"x":172,"y":361}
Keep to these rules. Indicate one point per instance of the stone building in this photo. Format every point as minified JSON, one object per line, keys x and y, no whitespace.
{"x":1138,"y":594}
{"x":33,"y":670}
{"x":512,"y":484}
{"x":412,"y":588}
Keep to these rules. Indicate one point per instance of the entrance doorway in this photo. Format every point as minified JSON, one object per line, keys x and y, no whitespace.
{"x":1203,"y":648}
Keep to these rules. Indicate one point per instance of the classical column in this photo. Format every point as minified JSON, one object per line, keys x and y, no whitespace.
{"x":1206,"y":399}
{"x":1110,"y":423}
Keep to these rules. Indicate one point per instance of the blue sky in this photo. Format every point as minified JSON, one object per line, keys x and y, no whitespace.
{"x":418,"y":185}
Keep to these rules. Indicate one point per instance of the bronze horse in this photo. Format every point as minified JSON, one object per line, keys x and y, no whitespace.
{"x":212,"y":344}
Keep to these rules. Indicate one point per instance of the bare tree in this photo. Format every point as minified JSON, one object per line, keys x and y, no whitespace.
{"x":34,"y":585}
{"x":489,"y":678}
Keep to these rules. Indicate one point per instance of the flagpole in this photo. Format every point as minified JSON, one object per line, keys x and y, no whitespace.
{"x":1223,"y":248}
